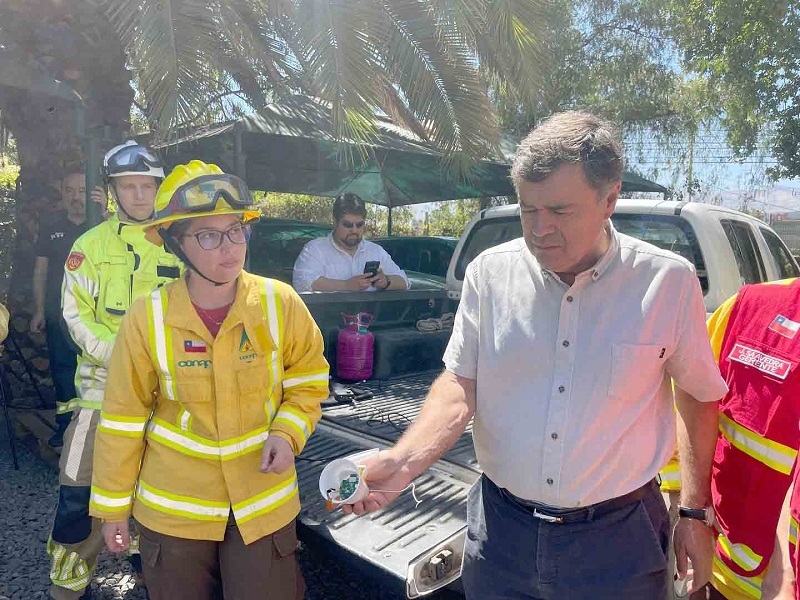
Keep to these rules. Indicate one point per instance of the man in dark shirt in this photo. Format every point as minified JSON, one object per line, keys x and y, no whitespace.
{"x":57,"y":233}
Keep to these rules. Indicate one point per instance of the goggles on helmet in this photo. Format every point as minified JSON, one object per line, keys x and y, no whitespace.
{"x":133,"y":158}
{"x":202,"y":194}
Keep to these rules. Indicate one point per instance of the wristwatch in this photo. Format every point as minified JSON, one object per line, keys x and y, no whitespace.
{"x":706,"y":515}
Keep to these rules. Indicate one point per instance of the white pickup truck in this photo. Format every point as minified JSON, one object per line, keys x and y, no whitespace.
{"x":422,"y":545}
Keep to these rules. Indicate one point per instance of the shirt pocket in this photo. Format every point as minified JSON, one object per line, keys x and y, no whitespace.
{"x":637,"y":370}
{"x":257,"y":390}
{"x":759,"y":378}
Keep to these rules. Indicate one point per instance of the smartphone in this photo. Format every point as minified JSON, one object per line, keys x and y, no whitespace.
{"x":372,"y":267}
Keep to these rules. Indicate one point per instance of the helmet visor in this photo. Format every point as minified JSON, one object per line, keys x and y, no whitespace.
{"x":203,"y":193}
{"x":132,"y":158}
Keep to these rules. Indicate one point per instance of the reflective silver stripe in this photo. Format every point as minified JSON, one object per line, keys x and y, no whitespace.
{"x":127,"y":426}
{"x":773,"y":454}
{"x":76,"y":448}
{"x":295,"y":419}
{"x":109,"y":502}
{"x":741,"y":554}
{"x":272,"y":312}
{"x":245,"y":509}
{"x":185,"y":416}
{"x":320,"y":377}
{"x":275,"y":360}
{"x":161,"y":432}
{"x":218,"y":510}
{"x":157,"y":331}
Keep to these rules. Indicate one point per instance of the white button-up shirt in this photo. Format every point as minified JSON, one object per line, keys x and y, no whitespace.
{"x":574,"y":401}
{"x":322,"y":257}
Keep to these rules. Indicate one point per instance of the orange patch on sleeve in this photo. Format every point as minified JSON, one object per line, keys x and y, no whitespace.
{"x":74,"y":260}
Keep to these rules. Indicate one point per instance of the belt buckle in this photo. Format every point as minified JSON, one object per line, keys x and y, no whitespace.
{"x":547,"y":518}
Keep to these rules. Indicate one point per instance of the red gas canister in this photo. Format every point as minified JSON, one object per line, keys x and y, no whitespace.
{"x":354,"y":348}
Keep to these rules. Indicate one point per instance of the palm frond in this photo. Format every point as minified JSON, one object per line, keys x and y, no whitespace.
{"x":247,"y":27}
{"x":172,"y":45}
{"x":437,"y":73}
{"x":508,"y":37}
{"x":338,"y":47}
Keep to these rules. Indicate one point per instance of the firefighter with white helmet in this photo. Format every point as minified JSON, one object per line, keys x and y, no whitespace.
{"x":214,"y":387}
{"x":107,"y":269}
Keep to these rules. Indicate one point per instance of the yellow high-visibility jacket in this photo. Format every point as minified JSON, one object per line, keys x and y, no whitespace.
{"x":108,"y":267}
{"x":194,"y":412}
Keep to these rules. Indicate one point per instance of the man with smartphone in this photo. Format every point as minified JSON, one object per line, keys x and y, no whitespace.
{"x":344,"y":261}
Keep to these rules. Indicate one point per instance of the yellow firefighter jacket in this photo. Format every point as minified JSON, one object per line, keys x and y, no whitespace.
{"x":109,"y":266}
{"x":195,"y":411}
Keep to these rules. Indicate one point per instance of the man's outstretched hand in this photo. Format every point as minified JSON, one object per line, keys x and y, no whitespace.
{"x":386,"y":477}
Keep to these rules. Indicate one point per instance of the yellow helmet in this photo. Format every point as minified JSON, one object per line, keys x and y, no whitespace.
{"x":198,"y":189}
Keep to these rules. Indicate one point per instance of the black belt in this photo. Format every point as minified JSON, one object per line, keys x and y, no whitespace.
{"x":585,"y":514}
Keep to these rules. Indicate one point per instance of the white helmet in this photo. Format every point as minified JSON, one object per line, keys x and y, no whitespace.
{"x":132,"y":158}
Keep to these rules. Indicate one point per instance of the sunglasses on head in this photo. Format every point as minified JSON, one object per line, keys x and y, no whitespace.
{"x":350,"y":224}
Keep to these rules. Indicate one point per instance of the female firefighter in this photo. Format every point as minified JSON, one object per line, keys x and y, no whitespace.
{"x":214,"y":387}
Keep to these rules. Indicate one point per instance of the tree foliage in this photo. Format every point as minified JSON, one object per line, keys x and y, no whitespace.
{"x":450,"y":218}
{"x":295,"y":206}
{"x":614,"y":58}
{"x":750,"y":51}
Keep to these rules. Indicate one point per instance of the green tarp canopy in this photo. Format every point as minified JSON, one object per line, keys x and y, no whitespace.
{"x":289,"y":147}
{"x":631,"y":182}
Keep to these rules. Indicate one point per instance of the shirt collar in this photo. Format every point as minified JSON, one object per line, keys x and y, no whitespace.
{"x":603,"y":263}
{"x":246,"y":309}
{"x":612,"y":252}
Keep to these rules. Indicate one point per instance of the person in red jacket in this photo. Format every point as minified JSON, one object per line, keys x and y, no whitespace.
{"x":756,"y":339}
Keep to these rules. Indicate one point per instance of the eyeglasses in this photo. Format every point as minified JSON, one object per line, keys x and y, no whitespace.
{"x":349,"y":224}
{"x":211,"y":239}
{"x":202,"y":193}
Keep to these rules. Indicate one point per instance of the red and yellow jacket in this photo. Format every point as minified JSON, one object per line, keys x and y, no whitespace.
{"x":185,"y":415}
{"x":756,"y":340}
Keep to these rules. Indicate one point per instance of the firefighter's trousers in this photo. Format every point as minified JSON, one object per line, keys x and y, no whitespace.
{"x":76,"y":539}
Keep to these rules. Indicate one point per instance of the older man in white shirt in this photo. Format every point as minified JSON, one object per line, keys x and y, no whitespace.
{"x":563,"y":349}
{"x":338,"y":262}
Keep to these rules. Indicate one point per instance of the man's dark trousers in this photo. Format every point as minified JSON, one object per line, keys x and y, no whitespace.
{"x":63,"y":355}
{"x":513,"y":555}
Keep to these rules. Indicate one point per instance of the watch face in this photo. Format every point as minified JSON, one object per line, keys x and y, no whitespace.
{"x":711,"y":517}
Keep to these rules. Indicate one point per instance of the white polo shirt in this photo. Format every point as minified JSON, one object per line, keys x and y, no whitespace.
{"x":574,"y":401}
{"x":323,"y":258}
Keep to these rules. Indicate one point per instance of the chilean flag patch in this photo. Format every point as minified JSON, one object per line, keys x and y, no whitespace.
{"x":194,"y":346}
{"x":785,"y":327}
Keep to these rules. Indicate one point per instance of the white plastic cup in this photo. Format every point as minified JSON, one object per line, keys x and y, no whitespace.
{"x":342,"y":480}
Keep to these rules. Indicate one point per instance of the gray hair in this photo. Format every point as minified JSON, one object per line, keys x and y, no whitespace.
{"x":569,"y":138}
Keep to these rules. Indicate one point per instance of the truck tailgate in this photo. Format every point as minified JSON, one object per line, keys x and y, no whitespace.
{"x":394,"y":536}
{"x":392,"y":408}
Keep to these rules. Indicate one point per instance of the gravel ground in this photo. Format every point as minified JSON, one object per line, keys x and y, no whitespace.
{"x":27,"y":502}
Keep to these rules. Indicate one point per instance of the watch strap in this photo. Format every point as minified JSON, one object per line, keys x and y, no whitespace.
{"x":701,"y":514}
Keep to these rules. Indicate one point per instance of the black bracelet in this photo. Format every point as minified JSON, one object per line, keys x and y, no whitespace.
{"x":388,"y":283}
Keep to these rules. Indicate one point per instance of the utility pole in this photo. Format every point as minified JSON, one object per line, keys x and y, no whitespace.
{"x":690,"y":174}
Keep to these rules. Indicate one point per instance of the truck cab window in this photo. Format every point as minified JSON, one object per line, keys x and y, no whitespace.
{"x":784,"y":261}
{"x":485,"y":234}
{"x":668,"y":232}
{"x":745,"y":250}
